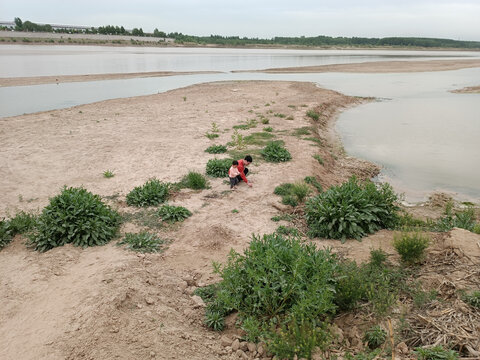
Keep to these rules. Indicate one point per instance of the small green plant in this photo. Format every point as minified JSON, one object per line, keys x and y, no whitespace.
{"x":275,"y":152}
{"x":6,"y":233}
{"x":108,"y":174}
{"x":144,"y":242}
{"x":173,"y":213}
{"x":315,"y":140}
{"x":235,"y":211}
{"x":410,"y":246}
{"x":152,"y":193}
{"x":218,"y":167}
{"x":378,"y":257}
{"x":216,"y":149}
{"x":238,"y":141}
{"x":306,"y":130}
{"x":211,"y":136}
{"x":287,"y":231}
{"x":472,"y":299}
{"x":265,"y":121}
{"x":280,"y":115}
{"x":290,"y":117}
{"x":292,"y":194}
{"x":75,"y":216}
{"x":194,"y":180}
{"x":268,"y":129}
{"x":184,"y":98}
{"x":435,"y":353}
{"x":215,"y":128}
{"x":283,"y":217}
{"x":258,"y":138}
{"x":312,"y":180}
{"x":215,"y":320}
{"x":313,"y":115}
{"x":318,"y":158}
{"x":375,"y":337}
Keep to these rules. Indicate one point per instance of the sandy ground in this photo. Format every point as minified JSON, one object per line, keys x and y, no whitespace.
{"x":108,"y":303}
{"x":469,"y":90}
{"x":366,"y":67}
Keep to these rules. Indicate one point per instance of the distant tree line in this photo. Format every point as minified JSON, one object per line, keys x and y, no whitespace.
{"x":245,"y":41}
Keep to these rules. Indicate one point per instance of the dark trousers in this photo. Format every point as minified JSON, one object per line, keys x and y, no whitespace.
{"x":233,"y":181}
{"x":245,"y":171}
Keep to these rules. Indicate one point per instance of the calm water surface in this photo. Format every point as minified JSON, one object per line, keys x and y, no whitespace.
{"x":425,"y":137}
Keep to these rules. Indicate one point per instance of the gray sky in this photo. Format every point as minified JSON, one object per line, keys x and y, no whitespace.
{"x":458,"y":20}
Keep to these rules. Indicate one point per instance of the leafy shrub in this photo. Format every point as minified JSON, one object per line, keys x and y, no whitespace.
{"x":462,"y":219}
{"x":473,"y":299}
{"x":435,"y":353}
{"x":268,"y":129}
{"x":258,"y":138}
{"x":194,"y":180}
{"x":285,"y":285}
{"x":275,"y":152}
{"x":216,"y":149}
{"x":287,"y":230}
{"x":75,"y":216}
{"x":351,"y":210}
{"x":350,"y":285}
{"x":218,"y":167}
{"x":215,"y":320}
{"x":319,"y":159}
{"x":173,"y":213}
{"x":378,"y":257}
{"x":143,"y":242}
{"x":375,"y":337}
{"x":410,"y":246}
{"x":153,"y":192}
{"x":476,"y":229}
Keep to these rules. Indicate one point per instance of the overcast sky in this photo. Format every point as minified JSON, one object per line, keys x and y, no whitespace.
{"x":458,"y":19}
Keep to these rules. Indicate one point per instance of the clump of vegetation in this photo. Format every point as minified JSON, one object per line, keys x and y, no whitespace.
{"x":292,"y":194}
{"x":312,"y":180}
{"x":172,"y":213}
{"x":313,"y":115}
{"x":143,"y":242}
{"x":461,"y":219}
{"x":282,"y":290}
{"x":252,"y":123}
{"x":436,"y":353}
{"x":215,"y":128}
{"x":268,"y":129}
{"x":375,"y":337}
{"x":275,"y":152}
{"x":258,"y":138}
{"x":23,"y":223}
{"x":75,"y":216}
{"x":306,"y":130}
{"x":211,"y":136}
{"x":194,"y":180}
{"x":108,"y":174}
{"x":152,"y":193}
{"x":472,"y":299}
{"x":216,"y":149}
{"x":319,"y":159}
{"x":280,"y":115}
{"x":351,"y":210}
{"x":218,"y":167}
{"x":238,"y":141}
{"x":410,"y":246}
{"x":6,"y":233}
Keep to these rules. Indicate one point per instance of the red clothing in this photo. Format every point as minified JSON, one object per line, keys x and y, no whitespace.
{"x":241,"y":168}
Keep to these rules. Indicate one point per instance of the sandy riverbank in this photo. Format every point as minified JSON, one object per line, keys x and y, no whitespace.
{"x":106,"y":303}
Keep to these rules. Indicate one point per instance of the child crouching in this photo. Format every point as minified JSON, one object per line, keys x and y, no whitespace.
{"x":232,"y":174}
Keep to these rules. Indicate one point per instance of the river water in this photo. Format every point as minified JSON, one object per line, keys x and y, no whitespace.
{"x":424,"y":137}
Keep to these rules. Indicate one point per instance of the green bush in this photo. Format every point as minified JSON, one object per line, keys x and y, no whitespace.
{"x":313,"y":115}
{"x":410,"y":246}
{"x":375,"y":337}
{"x":312,"y":180}
{"x":194,"y":180}
{"x":218,"y":167}
{"x":462,"y":219}
{"x":153,"y":192}
{"x":275,"y":152}
{"x":143,"y":242}
{"x":351,"y":210}
{"x":75,"y":216}
{"x":435,"y":353}
{"x":216,"y":149}
{"x":173,"y":213}
{"x":350,"y":285}
{"x":284,"y":284}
